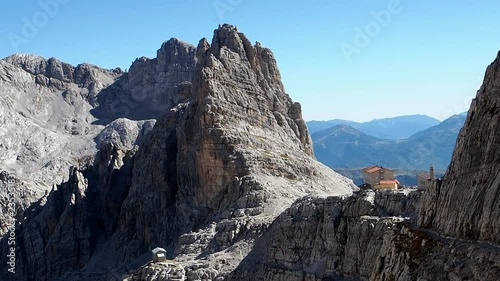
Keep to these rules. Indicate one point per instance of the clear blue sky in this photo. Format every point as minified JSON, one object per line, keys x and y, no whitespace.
{"x":429,"y":57}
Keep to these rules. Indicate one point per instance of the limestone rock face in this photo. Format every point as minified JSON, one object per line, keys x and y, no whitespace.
{"x":45,"y":116}
{"x":164,"y":271}
{"x":125,"y":133}
{"x":321,"y":238}
{"x":353,"y":239}
{"x":152,"y":86}
{"x":15,"y":196}
{"x":61,"y":231}
{"x":51,"y":111}
{"x":466,"y":203}
{"x":48,"y":123}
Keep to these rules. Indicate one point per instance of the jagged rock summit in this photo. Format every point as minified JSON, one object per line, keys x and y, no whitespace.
{"x":229,"y":152}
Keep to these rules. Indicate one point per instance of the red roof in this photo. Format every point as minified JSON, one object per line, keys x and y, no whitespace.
{"x":389,"y":182}
{"x":375,"y":168}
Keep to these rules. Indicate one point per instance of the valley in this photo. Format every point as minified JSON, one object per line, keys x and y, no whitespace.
{"x":348,"y":150}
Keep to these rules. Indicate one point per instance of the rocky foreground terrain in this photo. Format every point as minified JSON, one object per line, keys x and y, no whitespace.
{"x":200,"y":151}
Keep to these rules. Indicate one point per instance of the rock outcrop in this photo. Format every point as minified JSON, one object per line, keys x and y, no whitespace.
{"x":61,"y":231}
{"x":15,"y":196}
{"x":51,"y":114}
{"x":466,"y":204}
{"x":125,"y":133}
{"x":354,"y":239}
{"x":45,"y":115}
{"x":152,"y":86}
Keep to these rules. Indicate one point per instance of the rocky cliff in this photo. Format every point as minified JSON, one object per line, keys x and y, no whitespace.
{"x":45,"y":116}
{"x":466,"y":204}
{"x":151,"y":87}
{"x":228,"y":160}
{"x":363,"y":237}
{"x":51,"y":111}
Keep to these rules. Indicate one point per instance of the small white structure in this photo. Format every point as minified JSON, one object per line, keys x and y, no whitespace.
{"x":159,"y":254}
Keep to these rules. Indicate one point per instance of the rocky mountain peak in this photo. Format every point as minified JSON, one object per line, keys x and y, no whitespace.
{"x":232,"y":58}
{"x":175,"y":51}
{"x":261,"y":60}
{"x":227,"y":36}
{"x":56,"y":69}
{"x":31,"y":63}
{"x":491,"y":78}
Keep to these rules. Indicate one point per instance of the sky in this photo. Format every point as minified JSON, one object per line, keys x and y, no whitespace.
{"x":347,"y":59}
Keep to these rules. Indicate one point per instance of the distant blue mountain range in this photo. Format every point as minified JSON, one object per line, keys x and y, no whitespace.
{"x":347,"y":146}
{"x":400,"y":127}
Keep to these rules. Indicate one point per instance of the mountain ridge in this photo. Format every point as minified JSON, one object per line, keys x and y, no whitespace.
{"x":398,"y":127}
{"x":352,"y":148}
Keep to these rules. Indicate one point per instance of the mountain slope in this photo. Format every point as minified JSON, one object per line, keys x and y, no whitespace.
{"x":347,"y":147}
{"x":47,"y":125}
{"x":400,"y":127}
{"x":448,"y":128}
{"x":344,"y":146}
{"x":316,"y":126}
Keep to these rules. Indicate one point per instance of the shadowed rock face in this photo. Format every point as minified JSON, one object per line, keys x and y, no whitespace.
{"x":359,"y":238}
{"x":151,"y":87}
{"x":466,"y":204}
{"x":62,"y":230}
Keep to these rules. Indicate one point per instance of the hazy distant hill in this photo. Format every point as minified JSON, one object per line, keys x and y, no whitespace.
{"x":343,"y":146}
{"x":316,"y":126}
{"x":447,"y":129}
{"x":400,"y":127}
